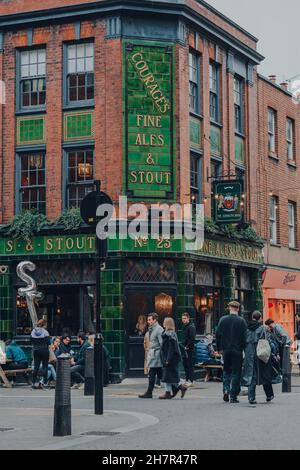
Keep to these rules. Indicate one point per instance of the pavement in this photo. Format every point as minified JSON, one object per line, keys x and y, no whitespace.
{"x":200,"y":421}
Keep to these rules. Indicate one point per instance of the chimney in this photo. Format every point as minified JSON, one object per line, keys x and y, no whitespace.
{"x":284,"y":86}
{"x":273,"y":79}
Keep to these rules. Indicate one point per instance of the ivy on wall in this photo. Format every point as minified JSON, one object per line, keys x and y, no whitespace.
{"x":232,"y":231}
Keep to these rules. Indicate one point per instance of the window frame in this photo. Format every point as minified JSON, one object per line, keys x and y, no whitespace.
{"x":273,"y":220}
{"x":214,"y":92}
{"x":239,"y":106}
{"x":75,"y":148}
{"x":292,"y":225}
{"x":19,"y":80}
{"x":67,"y":104}
{"x":290,"y":139}
{"x":20,"y":187}
{"x":197,"y":83}
{"x":272,"y":132}
{"x":196,"y":190}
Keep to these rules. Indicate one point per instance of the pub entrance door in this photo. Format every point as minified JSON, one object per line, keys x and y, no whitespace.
{"x":139,"y":301}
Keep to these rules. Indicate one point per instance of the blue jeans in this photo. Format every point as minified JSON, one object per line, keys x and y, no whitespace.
{"x":232,"y":373}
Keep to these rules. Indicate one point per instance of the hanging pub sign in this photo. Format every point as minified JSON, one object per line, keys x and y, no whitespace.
{"x":149,"y":120}
{"x":229,"y":201}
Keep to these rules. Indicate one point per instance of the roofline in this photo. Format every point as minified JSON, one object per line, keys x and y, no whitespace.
{"x":228,"y":20}
{"x":275,"y":85}
{"x":167,"y":7}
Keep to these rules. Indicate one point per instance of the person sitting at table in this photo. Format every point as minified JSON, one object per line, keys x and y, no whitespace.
{"x":15,"y":358}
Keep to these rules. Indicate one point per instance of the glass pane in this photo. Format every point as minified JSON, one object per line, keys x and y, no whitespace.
{"x":72,"y":52}
{"x":80,"y":50}
{"x":34,"y":84}
{"x":89,"y":50}
{"x":41,"y":55}
{"x":32,"y":178}
{"x":81,"y":79}
{"x":90,"y":79}
{"x":81,"y":93}
{"x":73,"y":94}
{"x":72,"y":175}
{"x":33,"y":56}
{"x":72,"y":66}
{"x":89,"y":64}
{"x":90,"y":93}
{"x":42,"y":69}
{"x":33,"y":70}
{"x":24,"y":57}
{"x":42,"y":98}
{"x":80,"y":65}
{"x":24,"y":71}
{"x":73,"y":80}
{"x":34,"y":99}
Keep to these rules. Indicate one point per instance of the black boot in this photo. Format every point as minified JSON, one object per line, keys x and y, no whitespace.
{"x":183,"y":389}
{"x":146,"y":395}
{"x":175,"y":390}
{"x":166,"y":396}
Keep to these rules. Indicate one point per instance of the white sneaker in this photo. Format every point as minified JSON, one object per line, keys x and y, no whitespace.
{"x":157,"y":386}
{"x":189,"y":384}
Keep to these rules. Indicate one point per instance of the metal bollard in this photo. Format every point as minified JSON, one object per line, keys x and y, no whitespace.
{"x":286,"y":370}
{"x":89,"y":375}
{"x":62,"y":406}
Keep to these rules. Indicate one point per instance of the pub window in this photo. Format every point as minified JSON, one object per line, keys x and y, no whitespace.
{"x":238,"y":104}
{"x":33,"y":78}
{"x":195,"y":179}
{"x":290,"y":140}
{"x":214,"y":92}
{"x":292,"y":224}
{"x":80,"y":73}
{"x":32,"y":192}
{"x":243,"y":291}
{"x":194,"y":82}
{"x":208,"y":298}
{"x":273,"y":221}
{"x":80,"y":177}
{"x":271,"y":130}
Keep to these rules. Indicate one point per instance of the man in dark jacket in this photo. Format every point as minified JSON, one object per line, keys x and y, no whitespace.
{"x":189,"y":335}
{"x":77,"y":370}
{"x":231,"y":341}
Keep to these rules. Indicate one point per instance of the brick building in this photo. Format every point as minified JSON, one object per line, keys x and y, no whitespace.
{"x":278,"y":198}
{"x":156,"y":99}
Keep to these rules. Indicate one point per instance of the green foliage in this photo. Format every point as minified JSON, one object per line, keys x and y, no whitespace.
{"x":26,"y":225}
{"x":70,"y":219}
{"x":231,"y":231}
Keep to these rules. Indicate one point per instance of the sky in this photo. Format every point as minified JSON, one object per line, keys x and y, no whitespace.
{"x":276,"y":24}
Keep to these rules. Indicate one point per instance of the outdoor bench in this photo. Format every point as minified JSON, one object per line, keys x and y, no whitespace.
{"x":207,"y":368}
{"x":12,"y":373}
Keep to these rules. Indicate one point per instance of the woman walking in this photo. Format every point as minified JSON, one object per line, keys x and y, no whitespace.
{"x":171,"y":357}
{"x":40,"y":341}
{"x":255,"y":371}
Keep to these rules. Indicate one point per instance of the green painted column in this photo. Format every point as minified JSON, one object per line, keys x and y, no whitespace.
{"x":112,"y":316}
{"x":6,"y":302}
{"x":257,"y":298}
{"x":228,"y":279}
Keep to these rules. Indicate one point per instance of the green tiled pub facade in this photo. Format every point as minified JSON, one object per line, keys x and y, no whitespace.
{"x":139,"y":277}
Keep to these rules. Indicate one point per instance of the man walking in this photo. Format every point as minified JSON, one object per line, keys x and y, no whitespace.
{"x":231,"y":341}
{"x":154,"y":358}
{"x":189,"y":335}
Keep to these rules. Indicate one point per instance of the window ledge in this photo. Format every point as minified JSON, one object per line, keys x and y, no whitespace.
{"x":73,"y":107}
{"x":196,"y":115}
{"x":240,"y":134}
{"x":276,"y":245}
{"x":24,"y":112}
{"x":293,"y":249}
{"x":292,"y":164}
{"x":215,"y":123}
{"x":273,"y":156}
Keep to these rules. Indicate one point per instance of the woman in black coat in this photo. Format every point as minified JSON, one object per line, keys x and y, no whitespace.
{"x":170,"y":355}
{"x":255,"y":371}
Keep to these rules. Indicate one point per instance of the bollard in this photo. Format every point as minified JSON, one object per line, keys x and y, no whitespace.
{"x":62,"y":406}
{"x":89,"y":376}
{"x":286,"y":370}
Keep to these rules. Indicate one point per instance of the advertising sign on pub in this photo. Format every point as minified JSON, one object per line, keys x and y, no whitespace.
{"x":149,"y":121}
{"x":229,"y":201}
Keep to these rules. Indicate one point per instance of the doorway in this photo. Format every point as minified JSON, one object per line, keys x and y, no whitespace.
{"x":139,"y":302}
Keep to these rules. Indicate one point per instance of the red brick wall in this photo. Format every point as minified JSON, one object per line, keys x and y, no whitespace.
{"x":276,"y":175}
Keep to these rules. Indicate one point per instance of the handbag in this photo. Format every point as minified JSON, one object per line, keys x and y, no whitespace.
{"x":263,"y":350}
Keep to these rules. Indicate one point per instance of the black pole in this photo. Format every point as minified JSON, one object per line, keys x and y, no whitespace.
{"x":89,"y":373}
{"x":286,"y":371}
{"x":62,"y":406}
{"x":98,"y":345}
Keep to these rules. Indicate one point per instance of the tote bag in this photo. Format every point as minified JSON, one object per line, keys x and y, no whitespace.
{"x":263,"y":350}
